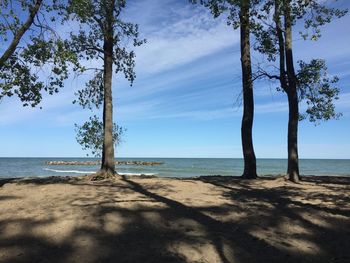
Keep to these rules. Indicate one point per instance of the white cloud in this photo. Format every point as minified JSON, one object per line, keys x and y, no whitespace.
{"x":271,"y":107}
{"x":12,"y":110}
{"x":344,"y":100}
{"x":157,"y":110}
{"x":189,"y":34}
{"x":200,"y":114}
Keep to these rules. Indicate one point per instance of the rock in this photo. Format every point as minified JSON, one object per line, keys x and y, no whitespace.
{"x":99,"y":162}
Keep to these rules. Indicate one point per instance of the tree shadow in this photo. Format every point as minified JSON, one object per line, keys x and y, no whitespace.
{"x":8,"y":197}
{"x":5,"y":181}
{"x":221,"y":234}
{"x":128,"y":220}
{"x":342,"y":180}
{"x":321,"y":219}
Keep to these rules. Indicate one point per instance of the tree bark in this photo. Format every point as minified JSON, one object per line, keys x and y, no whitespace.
{"x":281,"y":47}
{"x":20,"y":32}
{"x":248,"y":99}
{"x":108,"y":162}
{"x":103,"y":118}
{"x":293,"y":160}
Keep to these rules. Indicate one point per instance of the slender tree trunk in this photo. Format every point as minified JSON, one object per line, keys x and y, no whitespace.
{"x":293,"y":161}
{"x":20,"y":32}
{"x":103,"y":118}
{"x":281,"y":47}
{"x":248,"y":99}
{"x":108,"y":164}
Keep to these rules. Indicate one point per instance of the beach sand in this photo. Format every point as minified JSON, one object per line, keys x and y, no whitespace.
{"x":210,"y":219}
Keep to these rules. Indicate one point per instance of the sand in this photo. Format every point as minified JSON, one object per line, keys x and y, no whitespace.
{"x":211,"y":219}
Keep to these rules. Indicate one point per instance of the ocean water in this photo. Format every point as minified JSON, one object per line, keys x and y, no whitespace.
{"x":171,"y":167}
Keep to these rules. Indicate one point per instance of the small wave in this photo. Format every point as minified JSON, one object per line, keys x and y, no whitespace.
{"x":69,"y":171}
{"x":91,"y":172}
{"x":148,"y":174}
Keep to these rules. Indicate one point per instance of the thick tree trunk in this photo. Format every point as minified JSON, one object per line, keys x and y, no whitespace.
{"x":248,"y":99}
{"x":20,"y":32}
{"x":108,"y":162}
{"x":293,"y":161}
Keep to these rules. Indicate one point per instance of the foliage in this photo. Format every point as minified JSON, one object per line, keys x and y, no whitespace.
{"x":231,"y":8}
{"x":102,"y":37}
{"x":92,"y":95}
{"x":314,"y":13}
{"x":39,"y":62}
{"x":90,"y":135}
{"x":88,"y":43}
{"x":314,"y":85}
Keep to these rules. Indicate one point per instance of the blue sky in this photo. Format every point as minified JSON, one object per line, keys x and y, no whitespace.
{"x":186,"y":99}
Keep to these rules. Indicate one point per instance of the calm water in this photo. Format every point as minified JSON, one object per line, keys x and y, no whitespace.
{"x":179,"y":167}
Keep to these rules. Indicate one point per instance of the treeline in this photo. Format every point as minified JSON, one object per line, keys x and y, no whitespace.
{"x":31,"y":44}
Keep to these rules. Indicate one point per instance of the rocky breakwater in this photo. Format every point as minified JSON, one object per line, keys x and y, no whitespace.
{"x":145,"y":163}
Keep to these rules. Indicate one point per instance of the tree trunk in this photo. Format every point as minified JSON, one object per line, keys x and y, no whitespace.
{"x":281,"y":47}
{"x":108,"y":162}
{"x":293,"y":161}
{"x":103,"y":118}
{"x":248,"y":99}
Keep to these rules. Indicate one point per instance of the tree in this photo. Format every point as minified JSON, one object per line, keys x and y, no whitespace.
{"x":90,"y":135}
{"x":240,"y":13}
{"x":248,"y":97}
{"x":34,"y":63}
{"x":310,"y":82}
{"x":16,"y":26}
{"x":102,"y":36}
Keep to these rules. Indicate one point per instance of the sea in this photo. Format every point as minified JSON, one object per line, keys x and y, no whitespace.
{"x":170,"y":167}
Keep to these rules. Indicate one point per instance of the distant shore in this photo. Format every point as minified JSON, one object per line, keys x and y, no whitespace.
{"x":206,"y":219}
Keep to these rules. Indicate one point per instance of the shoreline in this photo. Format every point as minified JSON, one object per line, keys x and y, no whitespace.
{"x":154,"y":175}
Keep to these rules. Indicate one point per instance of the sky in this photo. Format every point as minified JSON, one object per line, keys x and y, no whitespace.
{"x":186,"y":99}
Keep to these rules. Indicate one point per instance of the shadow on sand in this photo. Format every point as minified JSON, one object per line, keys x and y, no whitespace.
{"x":280,"y":224}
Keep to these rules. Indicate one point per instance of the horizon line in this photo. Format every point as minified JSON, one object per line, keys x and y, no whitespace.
{"x":277,"y":158}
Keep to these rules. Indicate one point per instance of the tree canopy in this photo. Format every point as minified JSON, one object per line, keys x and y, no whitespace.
{"x":34,"y":62}
{"x":315,"y":87}
{"x":90,"y":135}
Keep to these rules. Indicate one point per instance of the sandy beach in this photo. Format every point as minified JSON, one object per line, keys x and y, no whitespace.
{"x":209,"y":219}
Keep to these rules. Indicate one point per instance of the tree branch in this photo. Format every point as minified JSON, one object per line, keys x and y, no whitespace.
{"x":99,"y":22}
{"x":265,"y":74}
{"x":17,"y":37}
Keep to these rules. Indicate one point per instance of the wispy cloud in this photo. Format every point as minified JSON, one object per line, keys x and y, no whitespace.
{"x":344,"y":101}
{"x":154,"y":110}
{"x":54,"y":107}
{"x":188,"y":33}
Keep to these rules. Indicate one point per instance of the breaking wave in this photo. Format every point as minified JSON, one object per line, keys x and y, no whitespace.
{"x":149,"y":174}
{"x":68,"y":171}
{"x":91,"y":172}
